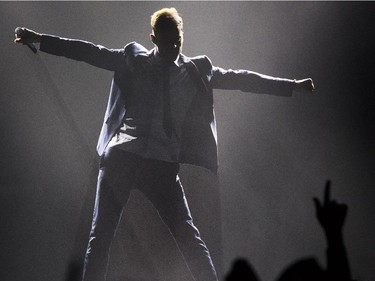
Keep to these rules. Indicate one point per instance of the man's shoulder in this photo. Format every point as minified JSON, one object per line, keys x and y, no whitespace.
{"x":199,"y":59}
{"x":135,"y":49}
{"x":202,"y":62}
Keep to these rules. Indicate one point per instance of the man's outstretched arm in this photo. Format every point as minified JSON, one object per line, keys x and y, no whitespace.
{"x":96,"y":55}
{"x":250,"y":81}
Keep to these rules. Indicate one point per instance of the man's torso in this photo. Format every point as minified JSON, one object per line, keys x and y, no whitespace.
{"x":142,"y":131}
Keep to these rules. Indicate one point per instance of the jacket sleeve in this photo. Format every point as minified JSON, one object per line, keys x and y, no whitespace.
{"x":249,"y":81}
{"x":96,"y":55}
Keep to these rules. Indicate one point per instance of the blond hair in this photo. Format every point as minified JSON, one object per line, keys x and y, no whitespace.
{"x":166,"y":18}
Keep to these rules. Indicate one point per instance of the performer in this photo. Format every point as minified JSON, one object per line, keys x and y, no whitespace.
{"x":159,"y":114}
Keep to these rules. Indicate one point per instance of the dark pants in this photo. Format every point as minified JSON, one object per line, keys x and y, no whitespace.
{"x":120,"y":172}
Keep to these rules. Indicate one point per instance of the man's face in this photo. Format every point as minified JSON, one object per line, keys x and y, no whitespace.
{"x":168,"y":43}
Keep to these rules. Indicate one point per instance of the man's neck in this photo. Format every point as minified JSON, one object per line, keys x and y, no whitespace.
{"x":161,"y":60}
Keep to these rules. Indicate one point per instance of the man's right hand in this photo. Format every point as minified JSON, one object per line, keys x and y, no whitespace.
{"x":26,"y":36}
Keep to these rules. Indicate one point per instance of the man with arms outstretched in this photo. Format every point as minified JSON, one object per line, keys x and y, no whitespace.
{"x":159,"y":114}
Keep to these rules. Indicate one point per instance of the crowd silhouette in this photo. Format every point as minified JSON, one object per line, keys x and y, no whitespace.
{"x":331,"y":216}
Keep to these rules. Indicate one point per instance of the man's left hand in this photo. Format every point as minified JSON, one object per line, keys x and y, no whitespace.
{"x":304,"y":85}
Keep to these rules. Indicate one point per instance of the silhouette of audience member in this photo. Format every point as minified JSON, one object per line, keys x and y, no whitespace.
{"x":241,"y":271}
{"x":331,"y":216}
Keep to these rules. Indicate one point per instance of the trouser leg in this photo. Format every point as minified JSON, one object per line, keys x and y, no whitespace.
{"x":107,"y":212}
{"x":167,"y":195}
{"x":111,"y":196}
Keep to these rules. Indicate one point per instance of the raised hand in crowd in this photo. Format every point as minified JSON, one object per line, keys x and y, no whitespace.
{"x":331,"y":216}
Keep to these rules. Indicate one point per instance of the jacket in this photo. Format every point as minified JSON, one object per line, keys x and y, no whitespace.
{"x":199,"y":134}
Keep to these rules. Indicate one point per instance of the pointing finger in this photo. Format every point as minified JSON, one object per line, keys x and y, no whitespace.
{"x":327,"y":192}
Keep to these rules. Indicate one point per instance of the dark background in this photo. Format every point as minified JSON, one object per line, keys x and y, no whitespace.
{"x":275,"y":153}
